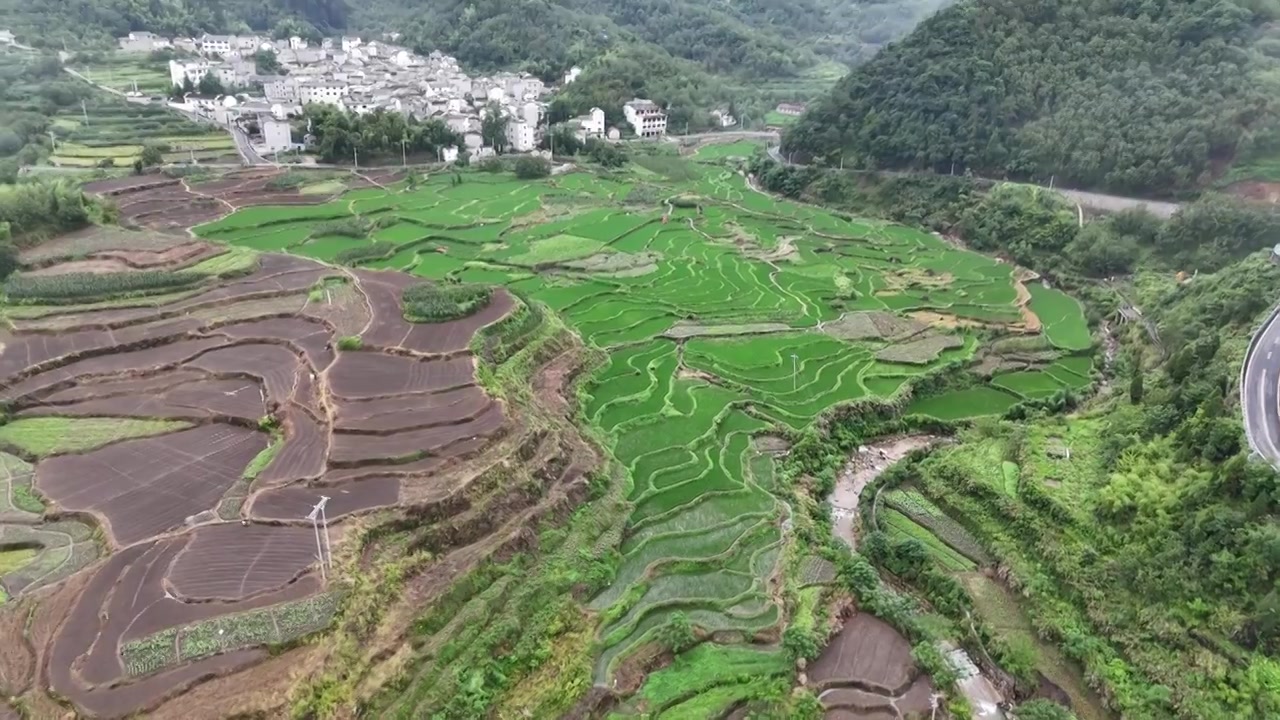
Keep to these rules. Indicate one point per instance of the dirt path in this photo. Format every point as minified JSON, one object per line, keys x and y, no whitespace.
{"x":864,"y":466}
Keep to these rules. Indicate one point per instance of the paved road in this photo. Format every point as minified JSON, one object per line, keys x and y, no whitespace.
{"x":245,"y":148}
{"x":1091,"y":200}
{"x":1260,"y":391}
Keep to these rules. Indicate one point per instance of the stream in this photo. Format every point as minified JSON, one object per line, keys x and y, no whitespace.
{"x":863,"y":467}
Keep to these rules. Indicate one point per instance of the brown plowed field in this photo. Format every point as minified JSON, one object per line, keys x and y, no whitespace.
{"x":90,"y":390}
{"x":867,"y":653}
{"x":351,"y":449}
{"x":372,"y":374}
{"x":230,"y":562}
{"x":294,"y":502}
{"x":412,"y":411}
{"x":389,"y":329}
{"x":274,"y":365}
{"x":143,"y":488}
{"x":304,"y":451}
{"x":192,"y":535}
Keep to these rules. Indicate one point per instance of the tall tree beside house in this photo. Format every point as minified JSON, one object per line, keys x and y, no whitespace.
{"x":267,"y":62}
{"x":210,"y":86}
{"x":376,"y":135}
{"x":493,"y":128}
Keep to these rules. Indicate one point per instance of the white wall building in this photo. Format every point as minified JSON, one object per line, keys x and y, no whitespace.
{"x":521,"y":136}
{"x":531,"y":113}
{"x":593,"y":124}
{"x":449,"y":154}
{"x":193,"y":70}
{"x":321,"y":93}
{"x":297,"y":43}
{"x":572,"y":75}
{"x":138,"y":42}
{"x":219,"y":44}
{"x":723,"y":118}
{"x":280,"y":88}
{"x":646,"y":118}
{"x":277,"y":135}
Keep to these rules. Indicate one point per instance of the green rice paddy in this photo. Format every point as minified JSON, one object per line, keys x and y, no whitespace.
{"x":678,"y":415}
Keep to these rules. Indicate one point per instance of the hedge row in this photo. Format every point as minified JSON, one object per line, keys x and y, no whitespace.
{"x":82,"y":286}
{"x":436,"y":303}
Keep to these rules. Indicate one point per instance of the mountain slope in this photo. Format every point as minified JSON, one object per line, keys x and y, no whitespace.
{"x":1127,"y":95}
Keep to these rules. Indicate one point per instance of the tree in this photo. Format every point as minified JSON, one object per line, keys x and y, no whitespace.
{"x":267,"y":62}
{"x":494,"y":127}
{"x":210,"y":85}
{"x":8,"y":259}
{"x":152,"y":154}
{"x":529,"y":167}
{"x":607,"y":154}
{"x":1042,"y":709}
{"x":677,"y":635}
{"x":178,"y":92}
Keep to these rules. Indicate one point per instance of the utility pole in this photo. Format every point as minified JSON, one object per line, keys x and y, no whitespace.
{"x":795,"y":372}
{"x":404,"y":158}
{"x":84,"y":110}
{"x":53,"y":141}
{"x":314,"y":517}
{"x":1051,"y":179}
{"x":355,"y":157}
{"x":324,"y":523}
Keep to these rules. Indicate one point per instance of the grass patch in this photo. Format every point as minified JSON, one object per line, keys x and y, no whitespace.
{"x":1062,"y":318}
{"x":558,"y":249}
{"x":901,"y":527}
{"x":45,"y":436}
{"x":963,"y":404}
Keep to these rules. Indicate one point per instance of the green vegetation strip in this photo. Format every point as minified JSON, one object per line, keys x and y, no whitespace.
{"x":45,"y":436}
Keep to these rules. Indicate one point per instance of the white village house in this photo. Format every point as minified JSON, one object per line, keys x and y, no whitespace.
{"x":646,"y":118}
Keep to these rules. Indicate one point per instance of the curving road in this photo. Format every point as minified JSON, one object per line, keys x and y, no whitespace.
{"x":1260,"y":390}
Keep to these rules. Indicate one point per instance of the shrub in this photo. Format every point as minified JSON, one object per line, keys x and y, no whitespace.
{"x":677,"y":635}
{"x":152,"y":154}
{"x":434,"y":303}
{"x":355,"y":227}
{"x":350,"y":342}
{"x":373,"y":251}
{"x":287,"y":181}
{"x":530,"y":167}
{"x":82,"y":286}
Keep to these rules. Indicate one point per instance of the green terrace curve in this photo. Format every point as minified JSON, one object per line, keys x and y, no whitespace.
{"x":725,"y":313}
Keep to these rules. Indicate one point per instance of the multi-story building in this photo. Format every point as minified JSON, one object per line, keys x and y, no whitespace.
{"x":277,"y":135}
{"x":521,"y":136}
{"x":322,"y":93}
{"x":193,"y":70}
{"x":279,"y":88}
{"x":142,"y":42}
{"x":218,"y":44}
{"x":646,"y":118}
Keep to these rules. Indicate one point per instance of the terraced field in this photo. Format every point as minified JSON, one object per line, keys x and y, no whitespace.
{"x":724,"y":313}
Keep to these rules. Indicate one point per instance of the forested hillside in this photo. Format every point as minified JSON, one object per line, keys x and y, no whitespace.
{"x":1135,"y":96}
{"x":750,"y":40}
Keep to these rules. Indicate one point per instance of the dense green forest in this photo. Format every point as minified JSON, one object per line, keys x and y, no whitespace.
{"x":1133,"y":96}
{"x":1150,"y":556}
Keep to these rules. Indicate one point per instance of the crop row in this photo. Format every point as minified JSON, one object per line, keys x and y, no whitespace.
{"x":272,"y":625}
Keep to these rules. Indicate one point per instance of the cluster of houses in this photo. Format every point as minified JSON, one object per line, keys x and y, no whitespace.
{"x":361,"y":76}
